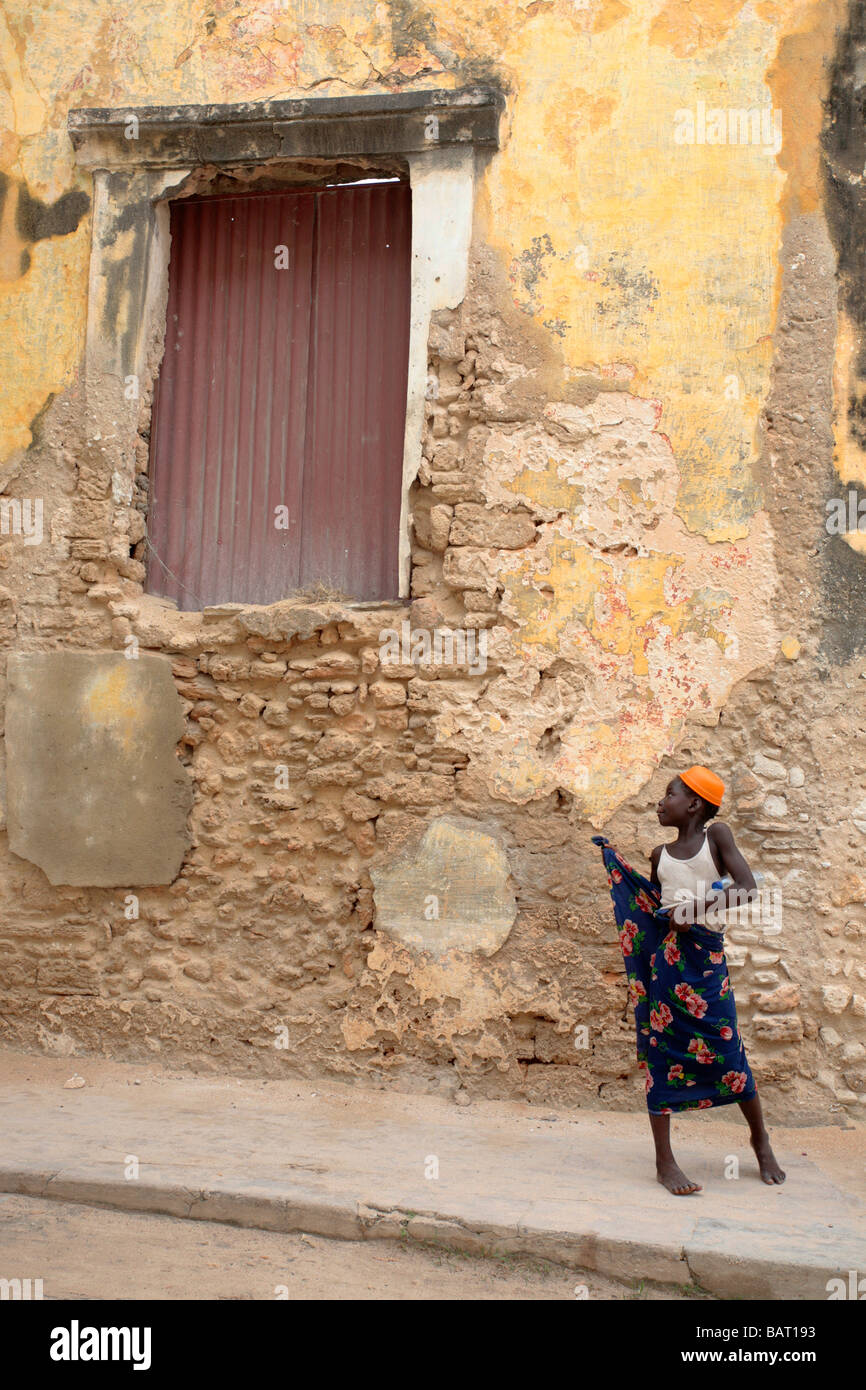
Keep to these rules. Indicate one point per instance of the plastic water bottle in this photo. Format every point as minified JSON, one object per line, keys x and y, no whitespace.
{"x":727,"y":882}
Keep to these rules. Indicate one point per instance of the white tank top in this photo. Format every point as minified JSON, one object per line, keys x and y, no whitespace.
{"x":695,"y":876}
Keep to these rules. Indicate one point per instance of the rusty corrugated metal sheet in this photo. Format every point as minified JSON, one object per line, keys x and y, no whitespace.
{"x":282,"y":387}
{"x":359,"y":360}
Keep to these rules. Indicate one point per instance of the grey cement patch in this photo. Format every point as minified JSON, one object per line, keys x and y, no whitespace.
{"x":449,"y":893}
{"x":96,"y":794}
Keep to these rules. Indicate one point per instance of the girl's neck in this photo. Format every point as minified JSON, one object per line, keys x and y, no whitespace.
{"x":685,"y":833}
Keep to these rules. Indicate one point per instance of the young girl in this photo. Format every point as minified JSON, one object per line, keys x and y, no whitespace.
{"x":688,"y":1040}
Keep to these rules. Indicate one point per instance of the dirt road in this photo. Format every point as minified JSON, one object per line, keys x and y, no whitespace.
{"x":91,"y":1253}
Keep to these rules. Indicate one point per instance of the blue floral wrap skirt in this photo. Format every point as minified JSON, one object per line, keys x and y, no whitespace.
{"x":688,"y":1041}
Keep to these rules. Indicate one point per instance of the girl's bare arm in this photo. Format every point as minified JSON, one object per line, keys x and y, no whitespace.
{"x":654,"y":865}
{"x":733,"y":862}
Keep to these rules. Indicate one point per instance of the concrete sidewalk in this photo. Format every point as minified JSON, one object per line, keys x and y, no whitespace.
{"x":574,"y":1187}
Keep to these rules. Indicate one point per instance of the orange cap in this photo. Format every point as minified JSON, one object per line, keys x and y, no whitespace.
{"x":705,"y":783}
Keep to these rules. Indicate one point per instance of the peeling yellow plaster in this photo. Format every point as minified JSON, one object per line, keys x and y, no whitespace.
{"x":687,"y":26}
{"x":42,"y":324}
{"x":653,"y":252}
{"x":660,"y":622}
{"x":28,"y":107}
{"x":619,"y":610}
{"x":797,"y":78}
{"x":608,"y":13}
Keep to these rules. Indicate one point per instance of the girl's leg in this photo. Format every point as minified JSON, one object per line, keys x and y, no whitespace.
{"x":760,"y":1141}
{"x":668,"y":1171}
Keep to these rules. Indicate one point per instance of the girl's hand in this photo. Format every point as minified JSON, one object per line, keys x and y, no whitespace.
{"x":685,"y":914}
{"x":679,"y":917}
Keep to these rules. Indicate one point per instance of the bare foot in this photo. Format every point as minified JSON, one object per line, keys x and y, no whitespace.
{"x":671,"y":1176}
{"x":767,"y":1162}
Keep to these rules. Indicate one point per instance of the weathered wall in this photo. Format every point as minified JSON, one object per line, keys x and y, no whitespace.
{"x":642,"y":406}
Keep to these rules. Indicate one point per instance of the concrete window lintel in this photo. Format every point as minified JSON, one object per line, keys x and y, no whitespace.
{"x":308,"y":127}
{"x":141,"y":156}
